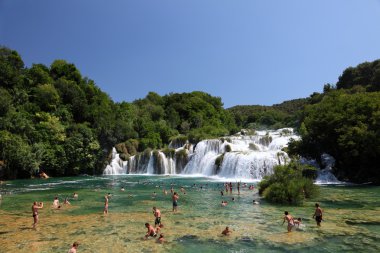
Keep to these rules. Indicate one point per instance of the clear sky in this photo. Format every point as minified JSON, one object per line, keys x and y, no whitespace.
{"x":244,"y":51}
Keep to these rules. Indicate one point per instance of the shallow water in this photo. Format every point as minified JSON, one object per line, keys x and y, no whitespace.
{"x":351,"y":217}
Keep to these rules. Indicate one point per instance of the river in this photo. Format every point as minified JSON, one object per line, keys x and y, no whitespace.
{"x":351,"y":217}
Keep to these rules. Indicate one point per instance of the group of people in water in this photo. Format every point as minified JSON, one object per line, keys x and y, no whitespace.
{"x":298,"y":222}
{"x":153,"y":231}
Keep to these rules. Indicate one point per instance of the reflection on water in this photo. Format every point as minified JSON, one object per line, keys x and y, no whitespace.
{"x":351,"y":220}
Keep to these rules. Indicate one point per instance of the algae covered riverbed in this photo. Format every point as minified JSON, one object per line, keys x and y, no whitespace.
{"x":351,"y":217}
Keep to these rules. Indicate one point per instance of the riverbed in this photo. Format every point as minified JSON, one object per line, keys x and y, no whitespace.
{"x":351,"y":217}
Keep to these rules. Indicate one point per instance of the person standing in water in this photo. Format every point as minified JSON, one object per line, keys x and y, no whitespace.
{"x":318,"y":214}
{"x":74,"y":248}
{"x":157,"y":214}
{"x":290,"y":221}
{"x":175,"y":198}
{"x":105,"y":205}
{"x":35,"y":208}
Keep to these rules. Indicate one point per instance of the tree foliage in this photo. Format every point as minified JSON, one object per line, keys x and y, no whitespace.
{"x":289,"y":184}
{"x":55,"y":120}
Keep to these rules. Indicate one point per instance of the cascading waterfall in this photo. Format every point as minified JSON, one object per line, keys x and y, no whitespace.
{"x":240,"y":156}
{"x":117,"y":166}
{"x":325,"y":175}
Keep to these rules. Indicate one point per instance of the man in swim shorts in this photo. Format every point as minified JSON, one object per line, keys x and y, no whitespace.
{"x":318,"y":214}
{"x":290,"y":221}
{"x":157,"y":214}
{"x":175,"y":198}
{"x":35,"y":208}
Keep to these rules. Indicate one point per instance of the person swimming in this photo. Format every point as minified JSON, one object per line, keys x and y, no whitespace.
{"x":74,"y":248}
{"x":226,"y":231}
{"x":151,"y":231}
{"x":161,"y":239}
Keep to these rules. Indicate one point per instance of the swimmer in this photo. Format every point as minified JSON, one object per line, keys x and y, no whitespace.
{"x":226,"y":231}
{"x":35,"y":208}
{"x":75,"y":195}
{"x":74,"y":248}
{"x":318,"y":214}
{"x":122,"y":189}
{"x":221,"y":193}
{"x":56,"y":202}
{"x":106,"y":204}
{"x":298,"y":223}
{"x":157,"y":214}
{"x":255,"y":202}
{"x":175,"y":198}
{"x":224,"y":203}
{"x":290,"y":221}
{"x":151,"y":231}
{"x":66,"y":202}
{"x":161,"y":239}
{"x":154,"y":195}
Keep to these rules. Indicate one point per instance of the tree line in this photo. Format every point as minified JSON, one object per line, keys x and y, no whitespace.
{"x":54,"y":119}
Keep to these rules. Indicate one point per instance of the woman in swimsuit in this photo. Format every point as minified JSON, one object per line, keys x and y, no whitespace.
{"x":35,"y":208}
{"x":290,"y":221}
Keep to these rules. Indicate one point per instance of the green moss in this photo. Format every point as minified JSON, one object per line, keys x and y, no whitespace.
{"x":169,"y":152}
{"x":124,"y":157}
{"x":219,"y":161}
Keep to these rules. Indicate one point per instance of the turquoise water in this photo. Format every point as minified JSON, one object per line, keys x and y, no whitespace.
{"x":351,"y":217}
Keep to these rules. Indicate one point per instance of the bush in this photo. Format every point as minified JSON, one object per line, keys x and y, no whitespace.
{"x":289,"y":184}
{"x":169,"y":152}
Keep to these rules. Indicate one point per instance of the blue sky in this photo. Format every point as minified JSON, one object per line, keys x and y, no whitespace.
{"x":244,"y":51}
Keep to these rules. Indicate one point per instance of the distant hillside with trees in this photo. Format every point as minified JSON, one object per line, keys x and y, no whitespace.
{"x":55,"y":120}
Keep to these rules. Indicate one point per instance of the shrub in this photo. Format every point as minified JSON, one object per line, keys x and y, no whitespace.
{"x":169,"y":152}
{"x":289,"y":184}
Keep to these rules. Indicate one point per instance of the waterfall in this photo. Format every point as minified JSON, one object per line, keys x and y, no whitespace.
{"x":117,"y":165}
{"x":325,"y":175}
{"x":239,"y":156}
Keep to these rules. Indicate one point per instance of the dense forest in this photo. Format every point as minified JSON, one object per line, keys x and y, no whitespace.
{"x":53,"y":119}
{"x":345,"y":123}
